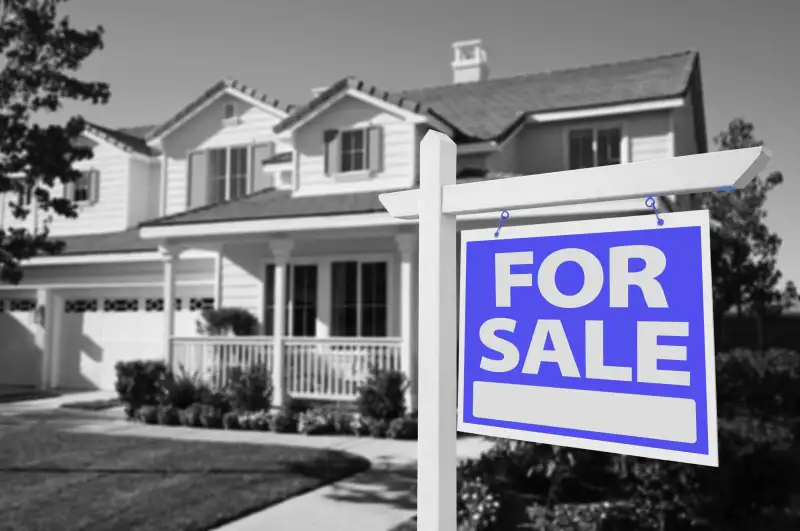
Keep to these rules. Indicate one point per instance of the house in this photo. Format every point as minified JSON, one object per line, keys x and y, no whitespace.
{"x":242,"y":200}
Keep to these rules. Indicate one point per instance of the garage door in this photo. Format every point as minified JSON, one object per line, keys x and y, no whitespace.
{"x":20,"y":359}
{"x":99,"y":329}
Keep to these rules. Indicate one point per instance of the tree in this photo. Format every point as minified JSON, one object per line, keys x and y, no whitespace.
{"x":40,"y":53}
{"x":744,"y":250}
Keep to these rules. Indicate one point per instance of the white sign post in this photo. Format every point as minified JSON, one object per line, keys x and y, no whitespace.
{"x":437,"y":204}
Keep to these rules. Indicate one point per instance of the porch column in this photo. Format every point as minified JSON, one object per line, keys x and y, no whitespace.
{"x":169,"y":256}
{"x":407,"y":243}
{"x":44,"y":319}
{"x":281,"y":249}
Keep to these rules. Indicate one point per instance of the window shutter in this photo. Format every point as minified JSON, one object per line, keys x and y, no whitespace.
{"x":198,"y":179}
{"x":331,"y":139}
{"x":94,"y":186}
{"x":262,"y":179}
{"x":375,"y":148}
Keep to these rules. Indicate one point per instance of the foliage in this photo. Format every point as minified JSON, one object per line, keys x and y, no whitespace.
{"x":168,"y":416}
{"x":221,"y":321}
{"x":402,"y":428}
{"x":139,"y":382}
{"x":40,"y":52}
{"x":744,"y":251}
{"x":251,"y":390}
{"x":230,"y":421}
{"x":148,"y":414}
{"x":181,"y":390}
{"x":190,"y":416}
{"x":211,"y":416}
{"x":382,"y":396}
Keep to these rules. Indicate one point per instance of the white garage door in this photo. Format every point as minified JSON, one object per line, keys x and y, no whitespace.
{"x":100,"y":328}
{"x":20,"y":359}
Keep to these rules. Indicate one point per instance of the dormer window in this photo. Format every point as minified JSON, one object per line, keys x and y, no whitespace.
{"x":354,"y":150}
{"x":84,"y":189}
{"x":593,"y":147}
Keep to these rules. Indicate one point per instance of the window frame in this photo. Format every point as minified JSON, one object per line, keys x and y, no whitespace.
{"x":364,"y":132}
{"x":359,"y":304}
{"x":288,"y":318}
{"x":213,"y":179}
{"x":87,"y":176}
{"x":595,"y":127}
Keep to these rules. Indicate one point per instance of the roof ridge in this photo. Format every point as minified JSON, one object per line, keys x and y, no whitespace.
{"x":688,"y":52}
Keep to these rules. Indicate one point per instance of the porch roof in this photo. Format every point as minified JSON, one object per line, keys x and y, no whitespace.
{"x":273,"y":204}
{"x":113,"y":242}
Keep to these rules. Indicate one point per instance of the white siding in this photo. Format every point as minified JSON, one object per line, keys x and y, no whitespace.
{"x":206,"y":130}
{"x":399,"y":149}
{"x":650,"y":137}
{"x":109,"y":214}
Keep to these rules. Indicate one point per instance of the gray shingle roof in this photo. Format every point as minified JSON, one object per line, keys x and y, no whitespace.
{"x":115,"y":242}
{"x":130,"y":139}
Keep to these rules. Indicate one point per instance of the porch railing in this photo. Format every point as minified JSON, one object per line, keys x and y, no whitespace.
{"x":314,"y":368}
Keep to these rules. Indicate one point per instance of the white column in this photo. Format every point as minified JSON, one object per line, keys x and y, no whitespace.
{"x":169,"y":257}
{"x":219,"y":258}
{"x":44,"y":320}
{"x":281,"y":249}
{"x":436,"y":497}
{"x":406,"y":243}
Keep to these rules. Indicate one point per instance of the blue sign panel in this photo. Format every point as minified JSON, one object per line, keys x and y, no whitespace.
{"x":592,"y":334}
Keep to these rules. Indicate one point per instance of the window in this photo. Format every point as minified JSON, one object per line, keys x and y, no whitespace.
{"x":301,"y":301}
{"x":354,"y":150}
{"x":82,"y":191}
{"x":359,"y":299}
{"x":228,"y":173}
{"x":230,"y":111}
{"x":594,"y":147}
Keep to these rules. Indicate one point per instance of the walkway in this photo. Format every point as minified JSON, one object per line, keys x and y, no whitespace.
{"x":375,"y":500}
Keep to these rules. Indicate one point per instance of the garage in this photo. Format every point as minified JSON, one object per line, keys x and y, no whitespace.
{"x":98,"y":328}
{"x":20,"y":357}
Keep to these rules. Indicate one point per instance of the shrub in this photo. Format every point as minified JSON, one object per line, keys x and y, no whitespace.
{"x":358,"y":425}
{"x":191,"y":415}
{"x":148,"y":414}
{"x":211,"y":417}
{"x":402,"y":428}
{"x":382,"y":396}
{"x":180,"y":390}
{"x":230,"y":421}
{"x":324,"y":420}
{"x":138,"y":382}
{"x":130,"y":411}
{"x":261,"y":421}
{"x":168,"y":416}
{"x":215,"y":399}
{"x":251,"y":390}
{"x":283,"y":421}
{"x":217,"y":322}
{"x":377,"y":427}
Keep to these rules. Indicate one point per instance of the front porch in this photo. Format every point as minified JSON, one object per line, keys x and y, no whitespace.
{"x":330,"y":307}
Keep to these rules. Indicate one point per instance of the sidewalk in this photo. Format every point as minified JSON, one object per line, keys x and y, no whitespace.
{"x":375,"y":500}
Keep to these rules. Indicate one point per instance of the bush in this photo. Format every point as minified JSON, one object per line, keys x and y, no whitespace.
{"x":325,"y":420}
{"x":382,"y":396}
{"x":181,"y":390}
{"x":230,"y":421}
{"x":261,"y":421}
{"x":138,"y":383}
{"x":168,"y":416}
{"x":283,"y":421}
{"x":377,"y":427}
{"x":148,"y":414}
{"x":217,"y":400}
{"x":358,"y":425}
{"x":217,"y":322}
{"x":251,"y":390}
{"x":402,"y":428}
{"x":190,"y":416}
{"x":130,"y":411}
{"x":211,"y":417}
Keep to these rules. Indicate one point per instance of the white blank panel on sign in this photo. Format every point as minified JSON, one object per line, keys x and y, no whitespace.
{"x":653,"y":417}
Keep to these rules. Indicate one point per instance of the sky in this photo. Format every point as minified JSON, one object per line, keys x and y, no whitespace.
{"x":161,"y":54}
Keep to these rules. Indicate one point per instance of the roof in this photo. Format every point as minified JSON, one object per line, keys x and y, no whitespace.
{"x":130,"y":139}
{"x":115,"y":242}
{"x":486,"y":110}
{"x":212,"y":92}
{"x":273,"y":204}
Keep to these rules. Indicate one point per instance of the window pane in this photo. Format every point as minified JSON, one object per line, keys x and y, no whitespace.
{"x":358,"y":139}
{"x":374,"y":299}
{"x":608,"y":146}
{"x":238,"y":172}
{"x":581,"y":154}
{"x":218,"y":160}
{"x":82,"y":187}
{"x":344,"y":319}
{"x":269,"y":299}
{"x":353,"y":156}
{"x":304,"y":307}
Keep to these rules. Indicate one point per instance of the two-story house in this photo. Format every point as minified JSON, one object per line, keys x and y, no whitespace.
{"x":240,"y":200}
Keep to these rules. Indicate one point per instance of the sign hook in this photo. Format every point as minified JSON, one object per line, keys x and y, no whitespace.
{"x":503,"y":216}
{"x":650,"y":202}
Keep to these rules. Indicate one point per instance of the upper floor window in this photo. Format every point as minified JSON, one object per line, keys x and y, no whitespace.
{"x":353,"y":150}
{"x":228,"y":168}
{"x":84,"y":189}
{"x":230,"y":110}
{"x":592,"y":147}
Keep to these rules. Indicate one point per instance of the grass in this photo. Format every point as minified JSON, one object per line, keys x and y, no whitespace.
{"x":49,"y":479}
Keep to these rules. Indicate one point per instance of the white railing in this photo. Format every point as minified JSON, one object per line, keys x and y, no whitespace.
{"x":215,"y":359}
{"x":314,"y":368}
{"x":334,"y":368}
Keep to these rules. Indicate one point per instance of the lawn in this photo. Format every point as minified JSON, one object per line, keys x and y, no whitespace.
{"x":57,"y":480}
